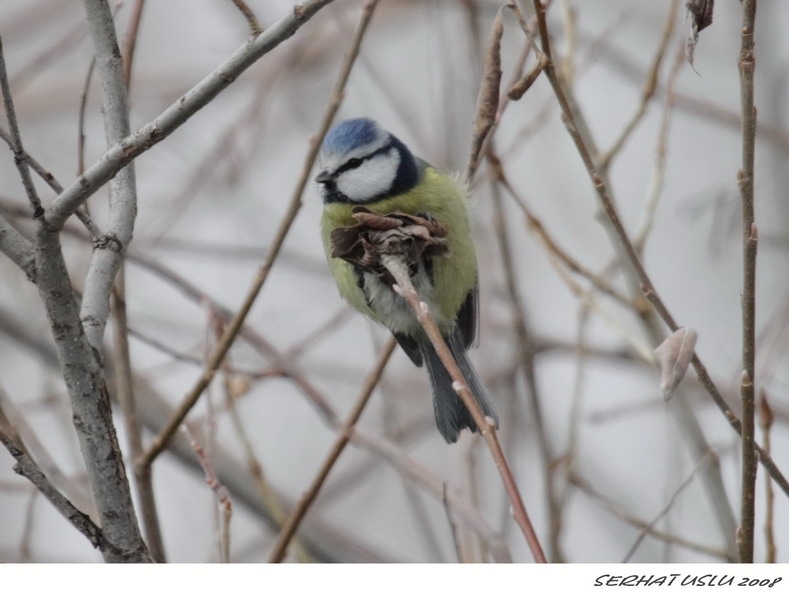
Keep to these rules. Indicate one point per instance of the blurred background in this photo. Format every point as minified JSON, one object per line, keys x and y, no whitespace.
{"x":607,"y":470}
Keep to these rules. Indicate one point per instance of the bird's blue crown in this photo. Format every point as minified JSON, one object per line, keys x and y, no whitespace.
{"x":351,"y":134}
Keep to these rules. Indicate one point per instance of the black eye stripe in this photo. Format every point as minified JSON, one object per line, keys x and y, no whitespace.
{"x":355,"y":163}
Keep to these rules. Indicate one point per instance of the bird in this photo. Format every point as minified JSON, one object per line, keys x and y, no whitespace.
{"x":362,"y":164}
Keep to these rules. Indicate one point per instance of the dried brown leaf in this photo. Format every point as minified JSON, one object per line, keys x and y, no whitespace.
{"x":700,"y":13}
{"x":376,"y":221}
{"x":521,"y":86}
{"x":766,"y":415}
{"x":488,"y":98}
{"x":411,"y":237}
{"x":674,"y":355}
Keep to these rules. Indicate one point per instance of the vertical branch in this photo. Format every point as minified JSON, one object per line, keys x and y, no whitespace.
{"x":108,"y":250}
{"x":225,"y":505}
{"x":130,"y":41}
{"x":126,"y":399}
{"x":746,"y":64}
{"x":526,"y":350}
{"x":90,"y":404}
{"x":143,"y":477}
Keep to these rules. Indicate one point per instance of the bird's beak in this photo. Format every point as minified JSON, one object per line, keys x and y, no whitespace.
{"x":323,"y":177}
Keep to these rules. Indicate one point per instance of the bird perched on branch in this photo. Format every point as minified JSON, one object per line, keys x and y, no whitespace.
{"x":364,"y":165}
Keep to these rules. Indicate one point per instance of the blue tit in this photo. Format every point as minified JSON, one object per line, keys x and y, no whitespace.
{"x":363,"y":164}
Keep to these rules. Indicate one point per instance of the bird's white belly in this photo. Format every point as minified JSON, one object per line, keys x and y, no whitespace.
{"x":392,"y":310}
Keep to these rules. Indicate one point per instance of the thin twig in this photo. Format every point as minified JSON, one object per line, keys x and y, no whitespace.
{"x":231,"y":389}
{"x":647,"y":92}
{"x":254,"y":25}
{"x":53,"y":183}
{"x":746,"y":64}
{"x":128,"y":403}
{"x":253,"y":337}
{"x":664,"y":511}
{"x":399,"y":271}
{"x":766,"y":419}
{"x":20,"y":156}
{"x":520,"y":87}
{"x":130,"y":40}
{"x":83,"y":107}
{"x":434,"y":485}
{"x":635,"y":521}
{"x":308,"y":497}
{"x":548,"y":241}
{"x":657,"y":176}
{"x":223,"y":499}
{"x":453,"y":526}
{"x":267,"y":495}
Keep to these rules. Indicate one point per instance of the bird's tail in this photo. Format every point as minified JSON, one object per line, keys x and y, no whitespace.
{"x":451,"y":413}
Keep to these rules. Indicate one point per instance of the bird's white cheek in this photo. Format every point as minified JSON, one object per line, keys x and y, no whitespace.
{"x":369,"y":180}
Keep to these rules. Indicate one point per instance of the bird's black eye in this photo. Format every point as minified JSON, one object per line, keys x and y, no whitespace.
{"x":352,"y":163}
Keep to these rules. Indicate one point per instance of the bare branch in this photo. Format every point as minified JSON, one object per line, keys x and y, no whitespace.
{"x":254,"y":26}
{"x":18,"y":248}
{"x":648,"y":91}
{"x":123,"y":152}
{"x":20,"y":157}
{"x":90,"y":404}
{"x":108,"y":251}
{"x":750,"y":238}
{"x":27,"y":468}
{"x":225,"y":504}
{"x":130,"y":41}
